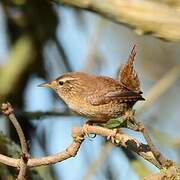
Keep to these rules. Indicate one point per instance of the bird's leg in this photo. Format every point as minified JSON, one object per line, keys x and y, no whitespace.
{"x":126,"y":117}
{"x":130,"y":120}
{"x":112,"y":135}
{"x":85,"y":128}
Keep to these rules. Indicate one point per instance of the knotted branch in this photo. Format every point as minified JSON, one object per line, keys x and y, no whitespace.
{"x":144,"y":150}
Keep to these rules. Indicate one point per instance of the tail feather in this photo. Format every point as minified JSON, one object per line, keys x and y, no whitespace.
{"x":127,"y":75}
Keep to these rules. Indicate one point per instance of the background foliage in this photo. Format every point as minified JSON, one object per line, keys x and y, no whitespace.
{"x":41,"y":40}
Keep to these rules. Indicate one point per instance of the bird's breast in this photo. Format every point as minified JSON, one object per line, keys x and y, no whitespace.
{"x":101,"y":112}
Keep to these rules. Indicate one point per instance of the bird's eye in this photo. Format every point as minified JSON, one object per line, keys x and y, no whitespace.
{"x":61,"y":83}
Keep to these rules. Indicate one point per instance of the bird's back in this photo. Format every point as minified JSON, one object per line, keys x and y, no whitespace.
{"x":101,"y":97}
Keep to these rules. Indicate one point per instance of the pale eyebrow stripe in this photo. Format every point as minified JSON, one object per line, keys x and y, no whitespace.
{"x":67,"y":78}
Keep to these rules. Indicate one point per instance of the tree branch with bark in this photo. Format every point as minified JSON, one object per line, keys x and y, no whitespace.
{"x":146,"y":151}
{"x":145,"y":17}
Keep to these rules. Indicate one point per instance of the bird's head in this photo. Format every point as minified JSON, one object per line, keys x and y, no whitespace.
{"x":67,"y":85}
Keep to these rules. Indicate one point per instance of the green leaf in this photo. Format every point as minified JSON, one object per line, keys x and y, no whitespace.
{"x":115,"y":123}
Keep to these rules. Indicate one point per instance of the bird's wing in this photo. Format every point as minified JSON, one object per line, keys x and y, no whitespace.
{"x":126,"y":96}
{"x":127,"y":75}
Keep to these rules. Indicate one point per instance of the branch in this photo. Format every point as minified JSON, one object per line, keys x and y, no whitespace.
{"x":8,"y":111}
{"x":173,"y":3}
{"x":138,"y":126}
{"x":172,"y":173}
{"x":160,"y":87}
{"x":63,"y":54}
{"x":120,"y":139}
{"x":138,"y":14}
{"x":71,"y":151}
{"x":92,"y":49}
{"x":123,"y":140}
{"x":16,"y":65}
{"x":40,"y":114}
{"x":144,"y":150}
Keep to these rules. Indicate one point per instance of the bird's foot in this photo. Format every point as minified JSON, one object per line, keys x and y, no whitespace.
{"x":112,"y":135}
{"x":131,"y":122}
{"x":85,"y":131}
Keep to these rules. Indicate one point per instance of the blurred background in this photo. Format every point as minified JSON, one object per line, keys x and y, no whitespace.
{"x":41,"y":40}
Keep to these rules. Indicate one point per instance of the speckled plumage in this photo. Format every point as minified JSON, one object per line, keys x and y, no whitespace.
{"x":99,"y":98}
{"x":92,"y":96}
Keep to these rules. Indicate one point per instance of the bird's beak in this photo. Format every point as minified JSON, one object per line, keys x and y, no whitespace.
{"x":47,"y":84}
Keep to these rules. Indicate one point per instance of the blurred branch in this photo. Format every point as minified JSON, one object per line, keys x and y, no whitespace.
{"x":140,"y":168}
{"x":92,"y":48}
{"x":138,"y":14}
{"x":173,"y":3}
{"x":8,"y":147}
{"x":17,"y":63}
{"x":104,"y":151}
{"x":160,"y":87}
{"x":39,"y":114}
{"x":173,"y":173}
{"x":63,"y":54}
{"x":165,"y":138}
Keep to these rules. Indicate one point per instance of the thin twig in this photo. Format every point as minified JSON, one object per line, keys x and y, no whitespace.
{"x":138,"y":126}
{"x":161,"y":159}
{"x":8,"y":111}
{"x":40,"y":114}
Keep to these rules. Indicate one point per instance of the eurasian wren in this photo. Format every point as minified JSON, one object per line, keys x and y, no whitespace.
{"x":99,"y":98}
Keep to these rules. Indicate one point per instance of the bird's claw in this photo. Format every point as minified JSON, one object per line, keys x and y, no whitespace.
{"x":85,"y":131}
{"x":112,"y":135}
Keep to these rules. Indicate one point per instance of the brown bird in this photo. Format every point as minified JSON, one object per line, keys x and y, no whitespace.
{"x":99,"y":98}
